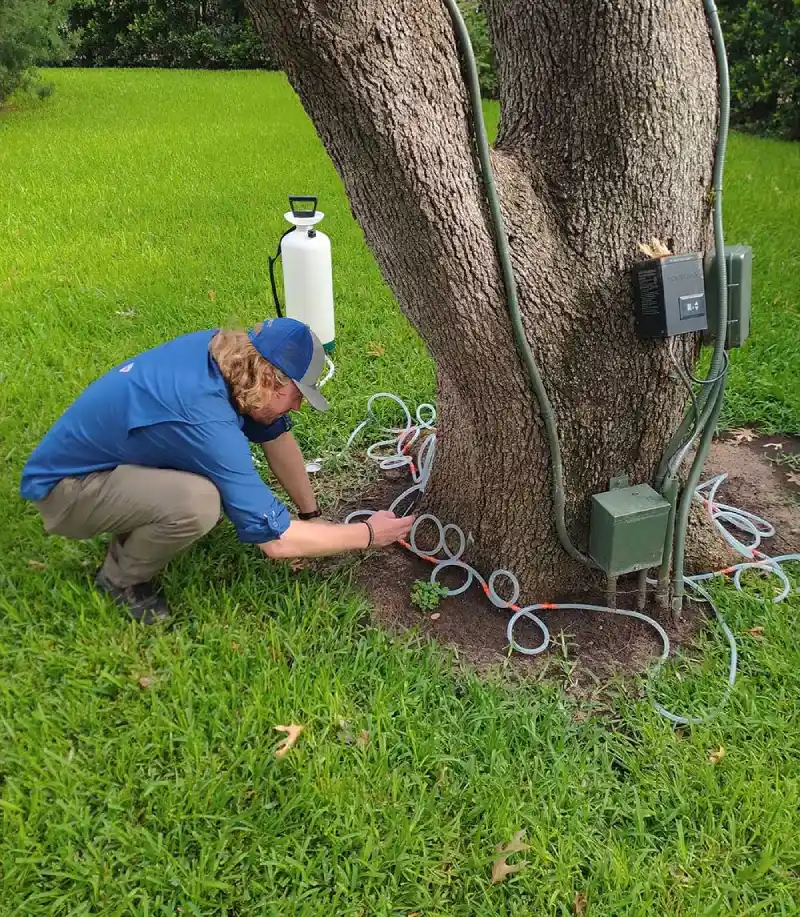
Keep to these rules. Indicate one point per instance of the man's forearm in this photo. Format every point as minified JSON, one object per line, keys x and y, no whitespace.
{"x":287,"y":464}
{"x":312,"y":539}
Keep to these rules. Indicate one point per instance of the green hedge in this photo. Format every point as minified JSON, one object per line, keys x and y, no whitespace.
{"x":763,"y":43}
{"x":475,"y":20}
{"x":216,"y":34}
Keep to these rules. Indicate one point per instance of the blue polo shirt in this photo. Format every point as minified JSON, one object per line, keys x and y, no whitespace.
{"x":166,"y":408}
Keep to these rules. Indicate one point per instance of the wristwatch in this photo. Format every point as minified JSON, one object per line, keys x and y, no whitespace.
{"x":314,"y":514}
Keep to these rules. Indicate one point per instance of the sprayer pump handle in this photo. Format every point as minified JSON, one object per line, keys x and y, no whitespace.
{"x":294,"y":199}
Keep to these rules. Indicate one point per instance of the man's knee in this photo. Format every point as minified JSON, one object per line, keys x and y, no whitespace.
{"x":196,"y":508}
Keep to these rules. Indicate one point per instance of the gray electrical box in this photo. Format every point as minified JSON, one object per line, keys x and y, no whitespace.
{"x":739,"y":266}
{"x":628,"y":529}
{"x":669,"y":295}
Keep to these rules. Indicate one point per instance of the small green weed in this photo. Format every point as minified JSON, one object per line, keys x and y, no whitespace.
{"x":426,"y":595}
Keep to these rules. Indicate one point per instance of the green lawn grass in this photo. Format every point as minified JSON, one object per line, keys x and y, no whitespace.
{"x":125,"y":200}
{"x":762,"y":208}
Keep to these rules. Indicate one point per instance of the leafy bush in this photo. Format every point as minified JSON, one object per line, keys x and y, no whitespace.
{"x":216,"y":34}
{"x":763,"y":44}
{"x":30,"y":32}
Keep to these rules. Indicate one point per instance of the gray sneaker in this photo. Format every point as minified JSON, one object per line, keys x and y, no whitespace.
{"x":143,"y":602}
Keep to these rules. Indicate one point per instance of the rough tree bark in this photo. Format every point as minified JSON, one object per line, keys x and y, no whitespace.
{"x":606,"y":140}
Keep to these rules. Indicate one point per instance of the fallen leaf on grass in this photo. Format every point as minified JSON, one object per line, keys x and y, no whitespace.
{"x":515,"y":845}
{"x":37,"y":565}
{"x":212,"y":295}
{"x":756,"y":632}
{"x":145,"y":681}
{"x":793,"y":477}
{"x":679,"y":876}
{"x":743,"y":436}
{"x":716,"y":756}
{"x":234,"y":645}
{"x":579,"y":904}
{"x":363,"y":738}
{"x":292,"y":735}
{"x":374,"y":349}
{"x":500,"y":868}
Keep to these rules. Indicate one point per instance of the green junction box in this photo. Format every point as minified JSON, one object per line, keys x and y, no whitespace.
{"x":628,"y":528}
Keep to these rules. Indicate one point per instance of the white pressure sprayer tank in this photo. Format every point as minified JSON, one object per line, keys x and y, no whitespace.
{"x":307,"y":270}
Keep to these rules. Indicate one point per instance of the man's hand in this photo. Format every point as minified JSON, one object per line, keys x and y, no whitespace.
{"x":388,"y":528}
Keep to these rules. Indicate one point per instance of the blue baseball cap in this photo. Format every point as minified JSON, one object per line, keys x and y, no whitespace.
{"x":294,"y":349}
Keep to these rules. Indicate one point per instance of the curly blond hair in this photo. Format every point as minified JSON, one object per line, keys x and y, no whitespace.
{"x":252,"y":379}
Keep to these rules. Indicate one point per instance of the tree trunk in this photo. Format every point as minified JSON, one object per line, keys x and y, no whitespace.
{"x":606,"y":140}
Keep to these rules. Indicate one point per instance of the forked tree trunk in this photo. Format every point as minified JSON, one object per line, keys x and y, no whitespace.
{"x":606,"y":140}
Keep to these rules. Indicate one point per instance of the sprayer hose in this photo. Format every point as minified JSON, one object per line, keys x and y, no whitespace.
{"x":716,"y":391}
{"x":678,"y":446}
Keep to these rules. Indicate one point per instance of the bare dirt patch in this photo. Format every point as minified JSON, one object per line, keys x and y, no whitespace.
{"x":589,"y":647}
{"x":761,"y":480}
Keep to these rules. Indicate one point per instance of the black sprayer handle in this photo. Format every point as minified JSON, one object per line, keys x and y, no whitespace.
{"x":303,"y":211}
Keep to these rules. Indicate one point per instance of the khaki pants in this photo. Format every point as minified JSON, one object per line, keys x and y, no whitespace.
{"x":153,"y":513}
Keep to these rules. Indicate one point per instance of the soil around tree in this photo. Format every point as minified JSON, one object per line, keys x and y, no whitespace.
{"x":590,"y":647}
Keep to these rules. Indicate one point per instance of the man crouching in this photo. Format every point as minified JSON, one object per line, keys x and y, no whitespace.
{"x":152,"y":451}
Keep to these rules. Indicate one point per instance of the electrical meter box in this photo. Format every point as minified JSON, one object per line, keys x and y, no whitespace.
{"x":739,"y":265}
{"x":628,"y":528}
{"x":669,"y":295}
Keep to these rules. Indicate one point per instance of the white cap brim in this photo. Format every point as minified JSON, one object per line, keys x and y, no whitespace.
{"x":313,"y":396}
{"x":308,"y":384}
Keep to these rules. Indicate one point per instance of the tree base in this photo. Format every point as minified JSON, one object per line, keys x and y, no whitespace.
{"x":593,"y":646}
{"x":587,"y":647}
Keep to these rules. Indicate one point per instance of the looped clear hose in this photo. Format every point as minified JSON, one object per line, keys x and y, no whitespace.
{"x":394,"y":452}
{"x":750,"y":524}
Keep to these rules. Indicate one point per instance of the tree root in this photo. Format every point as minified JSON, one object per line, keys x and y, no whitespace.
{"x":706,"y":550}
